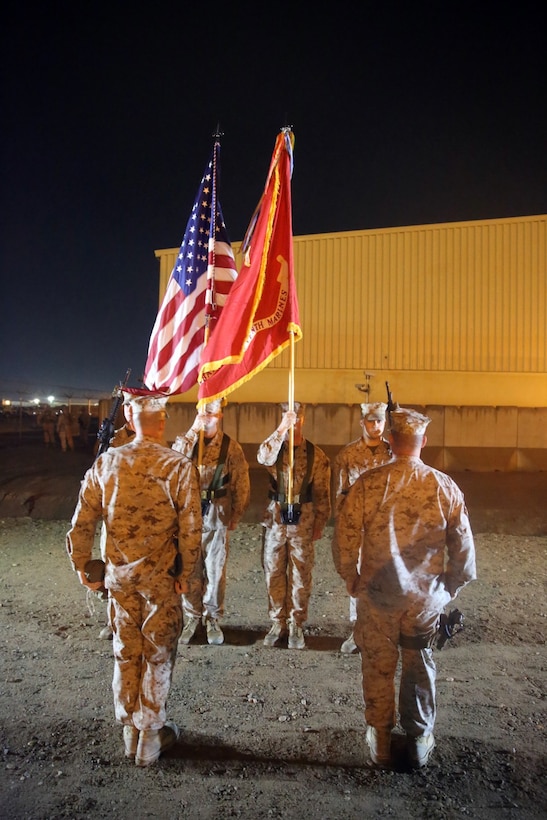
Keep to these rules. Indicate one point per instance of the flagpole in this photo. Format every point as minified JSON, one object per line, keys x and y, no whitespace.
{"x":210,"y":291}
{"x":289,"y":140}
{"x":290,"y":483}
{"x":212,"y":235}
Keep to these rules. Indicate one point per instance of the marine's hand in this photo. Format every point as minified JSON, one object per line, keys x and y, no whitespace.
{"x":181,"y":587}
{"x":199,"y":423}
{"x":288,"y":420}
{"x":94,"y":585}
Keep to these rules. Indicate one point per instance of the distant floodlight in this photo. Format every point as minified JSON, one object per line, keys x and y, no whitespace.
{"x":51,"y":399}
{"x":36,"y":401}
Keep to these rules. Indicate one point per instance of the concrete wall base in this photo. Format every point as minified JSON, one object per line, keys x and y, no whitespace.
{"x":479,"y":439}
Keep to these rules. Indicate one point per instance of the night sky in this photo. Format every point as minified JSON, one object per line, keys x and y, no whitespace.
{"x":432,"y":114}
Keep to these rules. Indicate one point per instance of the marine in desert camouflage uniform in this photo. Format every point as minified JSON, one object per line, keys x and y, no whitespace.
{"x":64,"y":429}
{"x":224,"y":466}
{"x":408,"y":525}
{"x":47,"y":421}
{"x":368,"y":451}
{"x":288,"y":549}
{"x":123,"y":435}
{"x":147,"y":496}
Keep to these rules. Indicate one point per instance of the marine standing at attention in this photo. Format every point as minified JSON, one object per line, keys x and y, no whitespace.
{"x":288,"y":548}
{"x":404,"y":547}
{"x":370,"y":450}
{"x":148,"y":497}
{"x":225,"y":495}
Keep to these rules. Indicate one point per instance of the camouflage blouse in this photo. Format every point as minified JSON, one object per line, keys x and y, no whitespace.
{"x":407,"y":525}
{"x":147,"y":495}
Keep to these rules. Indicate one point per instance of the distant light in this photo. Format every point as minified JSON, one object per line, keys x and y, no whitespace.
{"x":36,"y":401}
{"x":7,"y":402}
{"x":51,"y":399}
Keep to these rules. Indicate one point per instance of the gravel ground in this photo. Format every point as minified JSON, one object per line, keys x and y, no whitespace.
{"x":266,"y":732}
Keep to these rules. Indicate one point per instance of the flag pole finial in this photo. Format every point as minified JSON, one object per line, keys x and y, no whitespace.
{"x":286,"y":127}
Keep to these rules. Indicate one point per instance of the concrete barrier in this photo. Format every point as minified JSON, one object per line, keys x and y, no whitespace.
{"x":480,"y":439}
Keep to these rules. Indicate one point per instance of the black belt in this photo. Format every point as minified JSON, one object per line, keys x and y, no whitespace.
{"x":414,"y":641}
{"x":208,"y":495}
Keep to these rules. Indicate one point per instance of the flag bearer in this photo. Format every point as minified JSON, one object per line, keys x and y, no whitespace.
{"x":290,"y":530}
{"x":225,"y":495}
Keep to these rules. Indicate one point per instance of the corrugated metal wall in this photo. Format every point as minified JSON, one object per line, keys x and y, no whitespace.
{"x":452,"y":314}
{"x":459,"y":297}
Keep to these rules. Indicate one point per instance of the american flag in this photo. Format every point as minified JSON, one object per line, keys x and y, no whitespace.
{"x":196,"y":292}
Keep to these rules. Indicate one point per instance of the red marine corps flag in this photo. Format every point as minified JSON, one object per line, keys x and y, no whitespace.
{"x":261,"y":315}
{"x":196,"y":292}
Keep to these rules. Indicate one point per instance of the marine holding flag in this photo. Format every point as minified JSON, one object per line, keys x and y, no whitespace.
{"x":288,"y":551}
{"x":261,"y":313}
{"x":196,"y":292}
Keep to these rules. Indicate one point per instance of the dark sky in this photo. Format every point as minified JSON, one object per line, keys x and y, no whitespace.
{"x":431,"y":114}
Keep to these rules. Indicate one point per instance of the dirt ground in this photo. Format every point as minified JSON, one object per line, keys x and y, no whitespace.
{"x":266,"y":733}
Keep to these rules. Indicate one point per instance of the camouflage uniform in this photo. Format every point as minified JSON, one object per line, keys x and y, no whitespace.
{"x":399,"y":519}
{"x":224,"y":511}
{"x":288,"y":551}
{"x":123,"y":435}
{"x":48,"y":426}
{"x":64,"y":430}
{"x":351,"y":462}
{"x":146,"y":494}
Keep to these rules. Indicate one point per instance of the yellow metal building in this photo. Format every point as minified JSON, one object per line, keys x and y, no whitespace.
{"x":453,"y":315}
{"x":450,"y":314}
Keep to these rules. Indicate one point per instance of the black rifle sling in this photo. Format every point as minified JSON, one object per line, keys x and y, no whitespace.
{"x":216,"y":483}
{"x":304,"y":489}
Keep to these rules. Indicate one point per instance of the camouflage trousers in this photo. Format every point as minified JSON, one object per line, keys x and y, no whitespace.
{"x":146,"y":626}
{"x":378,"y":634}
{"x":66,"y":439}
{"x":208,"y":587}
{"x":288,"y":561}
{"x":49,"y":434}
